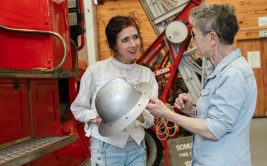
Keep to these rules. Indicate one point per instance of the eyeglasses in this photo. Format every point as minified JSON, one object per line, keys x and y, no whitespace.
{"x":193,"y":34}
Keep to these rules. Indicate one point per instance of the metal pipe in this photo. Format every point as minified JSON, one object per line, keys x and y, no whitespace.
{"x":82,"y":25}
{"x":43,"y":32}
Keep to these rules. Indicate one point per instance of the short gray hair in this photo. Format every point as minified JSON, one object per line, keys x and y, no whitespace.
{"x":219,"y":18}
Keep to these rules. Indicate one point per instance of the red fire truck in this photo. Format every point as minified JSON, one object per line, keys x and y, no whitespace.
{"x":38,"y":81}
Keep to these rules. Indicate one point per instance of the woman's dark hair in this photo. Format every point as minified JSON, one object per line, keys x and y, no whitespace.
{"x":116,"y":25}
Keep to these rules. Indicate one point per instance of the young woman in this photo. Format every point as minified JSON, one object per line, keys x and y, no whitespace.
{"x":128,"y":146}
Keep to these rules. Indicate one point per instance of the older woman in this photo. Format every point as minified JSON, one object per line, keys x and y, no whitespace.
{"x":221,"y":119}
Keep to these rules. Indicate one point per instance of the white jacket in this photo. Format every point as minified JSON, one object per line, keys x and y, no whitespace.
{"x":96,"y":75}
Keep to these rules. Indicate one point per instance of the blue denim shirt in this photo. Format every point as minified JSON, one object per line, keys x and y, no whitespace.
{"x":227,"y":103}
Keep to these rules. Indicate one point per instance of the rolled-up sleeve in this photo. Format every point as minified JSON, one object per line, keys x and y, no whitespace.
{"x":226,"y":102}
{"x":82,"y":103}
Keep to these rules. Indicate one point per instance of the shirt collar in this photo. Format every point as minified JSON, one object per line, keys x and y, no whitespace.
{"x":212,"y":71}
{"x":122,"y":65}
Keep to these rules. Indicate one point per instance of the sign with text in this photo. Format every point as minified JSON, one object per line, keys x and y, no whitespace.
{"x":180,"y":151}
{"x":254,"y":59}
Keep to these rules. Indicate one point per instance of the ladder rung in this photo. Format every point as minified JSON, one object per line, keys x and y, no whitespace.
{"x":32,"y":149}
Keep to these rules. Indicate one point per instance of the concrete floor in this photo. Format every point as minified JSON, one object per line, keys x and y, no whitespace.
{"x":258,"y":141}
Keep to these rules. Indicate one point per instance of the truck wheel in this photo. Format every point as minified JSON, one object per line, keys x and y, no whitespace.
{"x":154,"y":148}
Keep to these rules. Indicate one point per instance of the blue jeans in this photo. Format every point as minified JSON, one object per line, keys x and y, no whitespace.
{"x":104,"y":154}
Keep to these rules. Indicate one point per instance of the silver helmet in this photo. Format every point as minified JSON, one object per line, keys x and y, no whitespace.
{"x":119,"y":103}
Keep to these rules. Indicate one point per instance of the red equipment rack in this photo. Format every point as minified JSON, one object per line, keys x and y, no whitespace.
{"x":169,"y":64}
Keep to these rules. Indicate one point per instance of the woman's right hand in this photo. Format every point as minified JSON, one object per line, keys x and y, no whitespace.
{"x":96,"y":121}
{"x":184,"y":103}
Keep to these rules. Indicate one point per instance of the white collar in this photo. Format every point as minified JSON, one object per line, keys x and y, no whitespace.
{"x":122,"y":65}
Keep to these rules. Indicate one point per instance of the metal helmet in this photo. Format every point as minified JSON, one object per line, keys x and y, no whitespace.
{"x":119,"y":103}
